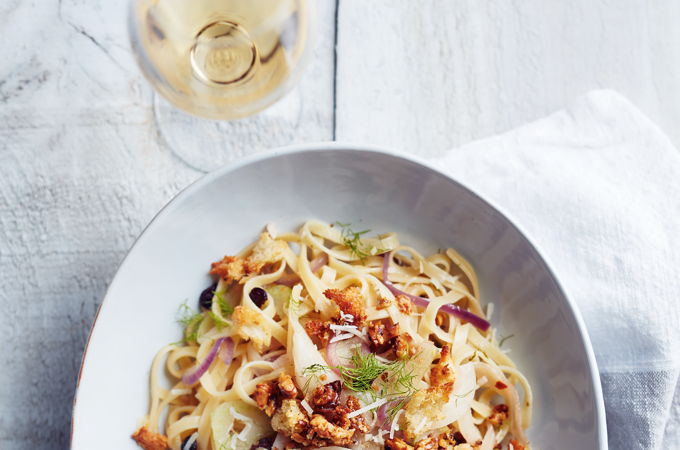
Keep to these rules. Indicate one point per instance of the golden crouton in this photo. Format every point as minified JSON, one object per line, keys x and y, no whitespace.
{"x":350,"y":301}
{"x":266,"y":251}
{"x":149,"y":440}
{"x":229,"y":268}
{"x":426,"y":405}
{"x":249,"y":324}
{"x":290,"y":419}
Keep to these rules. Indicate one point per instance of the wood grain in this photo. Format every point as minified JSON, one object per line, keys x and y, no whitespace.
{"x":431,"y":75}
{"x":82,"y":171}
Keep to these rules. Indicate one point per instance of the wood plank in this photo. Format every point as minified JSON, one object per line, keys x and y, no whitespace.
{"x":430,"y":75}
{"x":81,"y":173}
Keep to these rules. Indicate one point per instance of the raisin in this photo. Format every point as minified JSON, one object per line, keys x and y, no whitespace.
{"x":265,"y":443}
{"x":258,"y":296}
{"x":336,"y":386}
{"x":205,"y":299}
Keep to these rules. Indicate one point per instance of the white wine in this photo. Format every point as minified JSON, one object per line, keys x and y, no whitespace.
{"x":221,"y":59}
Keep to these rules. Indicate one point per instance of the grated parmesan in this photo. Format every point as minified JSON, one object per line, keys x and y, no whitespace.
{"x":180,"y":391}
{"x":366,"y":408}
{"x":395,"y":426}
{"x":489,"y":310}
{"x":341,"y":337}
{"x":348,"y":329}
{"x":272,"y":230}
{"x":308,"y":408}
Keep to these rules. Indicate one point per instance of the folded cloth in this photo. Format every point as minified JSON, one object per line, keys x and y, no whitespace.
{"x":597,"y":187}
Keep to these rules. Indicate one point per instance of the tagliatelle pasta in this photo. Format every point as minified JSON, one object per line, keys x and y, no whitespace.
{"x":329,"y":338}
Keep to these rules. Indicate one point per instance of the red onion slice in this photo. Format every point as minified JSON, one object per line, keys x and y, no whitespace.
{"x":382,"y":411}
{"x":226,"y":353}
{"x":382,"y":415}
{"x":289,"y":279}
{"x":454,"y":310}
{"x":318,"y":262}
{"x":192,"y":375}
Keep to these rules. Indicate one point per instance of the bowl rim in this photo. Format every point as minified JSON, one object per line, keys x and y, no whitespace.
{"x":315,"y":147}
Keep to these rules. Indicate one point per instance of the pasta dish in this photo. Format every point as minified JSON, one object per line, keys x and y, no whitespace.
{"x":330,"y":338}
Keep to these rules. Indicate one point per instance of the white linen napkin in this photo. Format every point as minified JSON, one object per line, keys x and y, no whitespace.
{"x":597,"y":186}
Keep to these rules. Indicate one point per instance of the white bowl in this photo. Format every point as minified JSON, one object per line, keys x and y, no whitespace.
{"x":371,"y":188}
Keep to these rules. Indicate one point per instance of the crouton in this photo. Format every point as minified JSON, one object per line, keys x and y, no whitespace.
{"x":250,"y":325}
{"x":229,"y":268}
{"x":290,"y":419}
{"x":266,"y":251}
{"x":149,"y":440}
{"x":350,"y":301}
{"x":425,"y":408}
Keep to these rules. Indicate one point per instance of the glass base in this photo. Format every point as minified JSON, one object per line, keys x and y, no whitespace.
{"x":202,"y":144}
{"x":207,"y":144}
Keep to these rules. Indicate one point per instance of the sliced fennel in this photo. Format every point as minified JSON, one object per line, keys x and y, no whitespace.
{"x":237,"y":426}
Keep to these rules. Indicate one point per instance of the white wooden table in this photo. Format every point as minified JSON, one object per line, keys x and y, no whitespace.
{"x":82,"y":169}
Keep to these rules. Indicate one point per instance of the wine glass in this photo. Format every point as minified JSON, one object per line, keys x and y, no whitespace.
{"x":217,"y":60}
